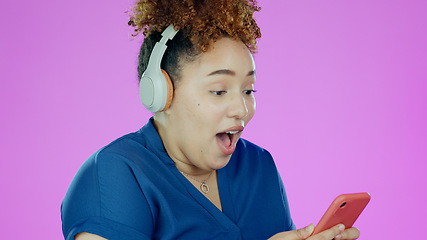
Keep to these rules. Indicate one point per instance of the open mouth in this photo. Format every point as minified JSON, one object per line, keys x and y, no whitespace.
{"x":227,"y":137}
{"x":227,"y":141}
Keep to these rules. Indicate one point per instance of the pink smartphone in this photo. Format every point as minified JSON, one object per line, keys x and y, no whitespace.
{"x":345,"y":209}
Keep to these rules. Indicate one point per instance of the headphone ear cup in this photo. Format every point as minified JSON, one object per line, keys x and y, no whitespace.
{"x":169,"y":85}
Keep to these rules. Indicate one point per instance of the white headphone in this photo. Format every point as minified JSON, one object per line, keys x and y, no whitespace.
{"x":155,"y":86}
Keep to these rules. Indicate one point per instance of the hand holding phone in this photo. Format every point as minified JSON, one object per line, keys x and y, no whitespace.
{"x":345,"y":209}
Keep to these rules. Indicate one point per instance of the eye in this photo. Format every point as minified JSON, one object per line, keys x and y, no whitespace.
{"x":218,"y":93}
{"x":249,"y":92}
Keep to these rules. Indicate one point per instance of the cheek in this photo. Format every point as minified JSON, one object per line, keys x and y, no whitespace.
{"x":251,"y":105}
{"x":188,"y":106}
{"x":214,"y":109}
{"x":200,"y":113}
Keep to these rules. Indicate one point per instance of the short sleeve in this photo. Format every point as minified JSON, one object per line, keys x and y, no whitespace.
{"x":289,"y":223}
{"x":105,"y":199}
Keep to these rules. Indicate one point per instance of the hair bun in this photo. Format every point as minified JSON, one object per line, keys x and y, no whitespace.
{"x":203,"y":21}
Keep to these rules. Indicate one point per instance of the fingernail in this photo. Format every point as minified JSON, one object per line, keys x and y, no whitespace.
{"x":309,"y":228}
{"x":338,"y":237}
{"x":341,"y":227}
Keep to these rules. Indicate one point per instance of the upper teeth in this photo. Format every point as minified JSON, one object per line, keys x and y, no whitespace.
{"x":232,"y":132}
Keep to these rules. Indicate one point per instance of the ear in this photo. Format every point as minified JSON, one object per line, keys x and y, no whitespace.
{"x":169,"y":96}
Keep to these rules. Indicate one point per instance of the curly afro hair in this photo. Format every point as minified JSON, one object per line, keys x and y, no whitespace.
{"x":202,"y":21}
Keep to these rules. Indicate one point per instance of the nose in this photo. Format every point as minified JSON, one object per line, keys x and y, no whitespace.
{"x":238,"y":108}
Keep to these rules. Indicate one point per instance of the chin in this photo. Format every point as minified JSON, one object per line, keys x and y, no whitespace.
{"x":220,"y":162}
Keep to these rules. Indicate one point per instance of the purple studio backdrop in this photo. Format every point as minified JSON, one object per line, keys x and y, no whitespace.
{"x":341,"y":105}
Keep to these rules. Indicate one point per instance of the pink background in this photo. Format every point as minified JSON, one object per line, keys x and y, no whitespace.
{"x":341,"y":105}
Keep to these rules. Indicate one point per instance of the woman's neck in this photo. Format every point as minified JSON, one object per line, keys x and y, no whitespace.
{"x":182,"y":163}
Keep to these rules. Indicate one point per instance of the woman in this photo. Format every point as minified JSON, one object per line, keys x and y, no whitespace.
{"x":187,"y":174}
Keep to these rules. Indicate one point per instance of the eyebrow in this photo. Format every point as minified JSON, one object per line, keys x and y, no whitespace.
{"x":229,"y":72}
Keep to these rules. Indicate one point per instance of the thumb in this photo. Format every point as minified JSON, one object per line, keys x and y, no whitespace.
{"x":299,"y":234}
{"x":310,"y":229}
{"x":306,"y":232}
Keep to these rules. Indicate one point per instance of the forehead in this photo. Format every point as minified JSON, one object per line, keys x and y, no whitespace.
{"x":224,"y":54}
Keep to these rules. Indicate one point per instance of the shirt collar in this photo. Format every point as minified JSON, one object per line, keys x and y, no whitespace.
{"x":154,"y":142}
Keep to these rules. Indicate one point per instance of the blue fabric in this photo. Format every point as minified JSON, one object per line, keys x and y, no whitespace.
{"x":131,"y":189}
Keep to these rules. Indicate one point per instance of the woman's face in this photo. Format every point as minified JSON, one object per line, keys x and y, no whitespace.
{"x":213,"y":102}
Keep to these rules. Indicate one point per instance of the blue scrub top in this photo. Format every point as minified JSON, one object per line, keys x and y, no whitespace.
{"x":131,"y":189}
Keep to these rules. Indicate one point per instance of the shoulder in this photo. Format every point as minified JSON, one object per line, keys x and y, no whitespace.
{"x":252,"y":153}
{"x":112,"y":167}
{"x":111,"y":160}
{"x":250,"y":161}
{"x":251,"y":147}
{"x":123,"y":145}
{"x":105,"y":193}
{"x":139,"y":147}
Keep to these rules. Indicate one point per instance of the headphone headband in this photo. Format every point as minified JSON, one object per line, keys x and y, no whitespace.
{"x":160,"y":48}
{"x":168,"y":33}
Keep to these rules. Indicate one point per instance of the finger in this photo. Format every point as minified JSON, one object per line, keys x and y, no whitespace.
{"x":307,"y":231}
{"x":351,"y":233}
{"x":302,"y":233}
{"x":299,"y":234}
{"x":332,"y":233}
